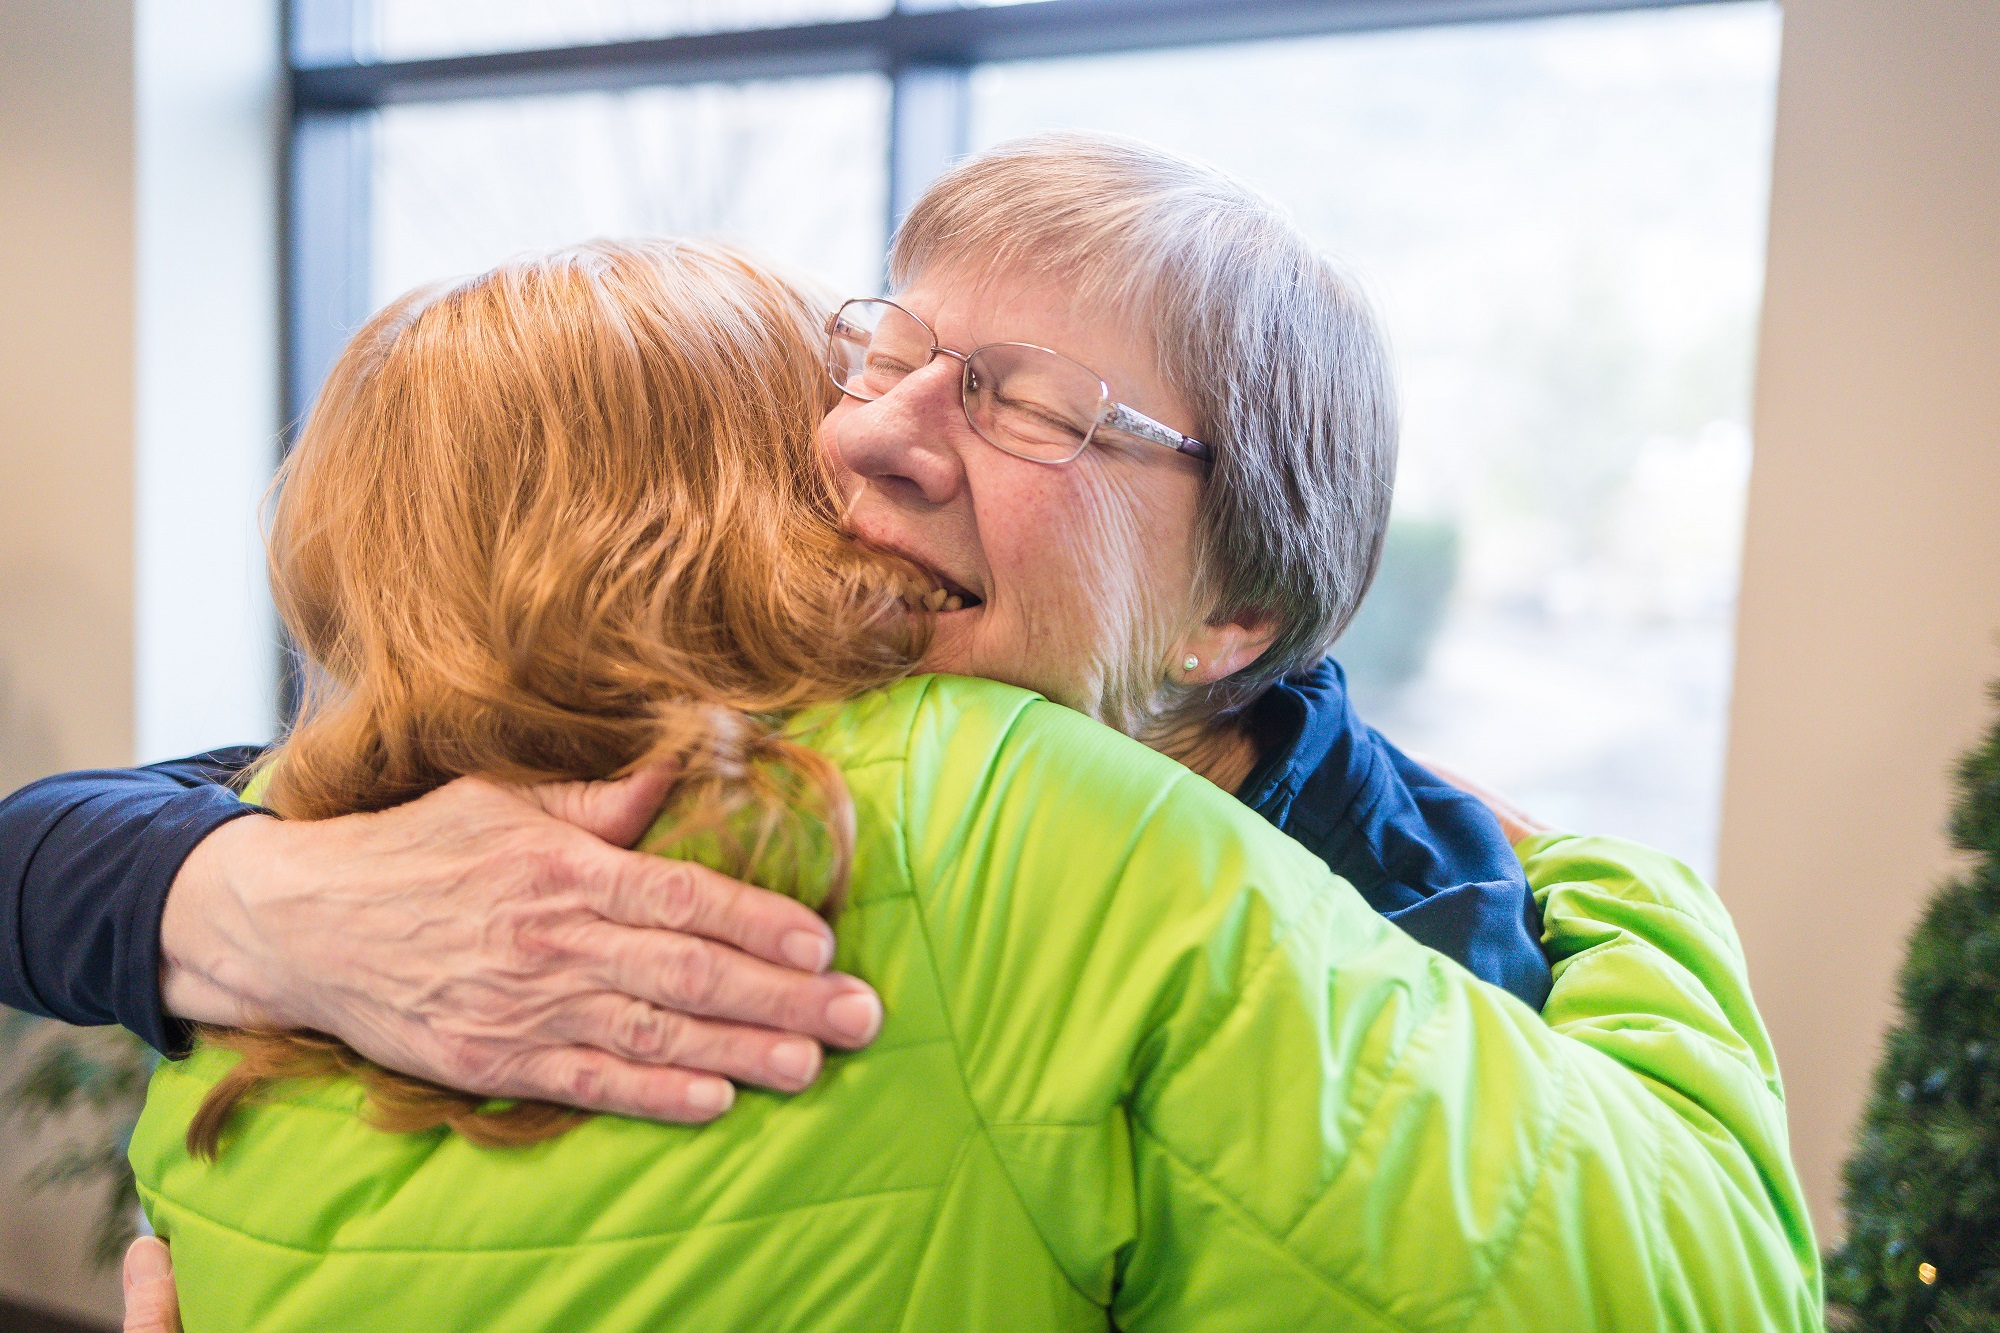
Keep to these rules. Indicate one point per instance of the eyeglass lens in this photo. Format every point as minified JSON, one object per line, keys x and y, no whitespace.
{"x":1029,"y":401}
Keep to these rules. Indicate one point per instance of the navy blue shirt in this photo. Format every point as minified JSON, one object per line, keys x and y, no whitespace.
{"x":86,"y":859}
{"x":1428,"y":856}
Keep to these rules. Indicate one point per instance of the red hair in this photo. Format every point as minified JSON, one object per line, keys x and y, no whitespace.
{"x":550,"y":523}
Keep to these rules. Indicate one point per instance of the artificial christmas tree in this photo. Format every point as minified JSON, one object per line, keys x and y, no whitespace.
{"x":1923,"y":1187}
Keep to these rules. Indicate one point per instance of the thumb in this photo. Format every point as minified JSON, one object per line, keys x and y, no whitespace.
{"x":151,"y":1304}
{"x":618,"y":811}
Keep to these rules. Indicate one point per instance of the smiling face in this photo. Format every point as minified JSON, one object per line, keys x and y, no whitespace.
{"x":1077,"y":580}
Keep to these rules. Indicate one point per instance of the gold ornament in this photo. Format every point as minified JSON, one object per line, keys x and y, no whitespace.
{"x":1927,"y":1273}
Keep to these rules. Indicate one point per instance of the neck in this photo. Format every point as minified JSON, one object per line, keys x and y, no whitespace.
{"x":1222,"y":752}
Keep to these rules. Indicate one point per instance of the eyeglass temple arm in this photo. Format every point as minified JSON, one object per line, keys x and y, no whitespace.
{"x":1125,"y":419}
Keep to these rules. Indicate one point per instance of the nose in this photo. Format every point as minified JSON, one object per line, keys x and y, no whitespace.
{"x":906,"y":443}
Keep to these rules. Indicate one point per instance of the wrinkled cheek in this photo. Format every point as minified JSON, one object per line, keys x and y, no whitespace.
{"x":1098,"y":525}
{"x":1118,"y":614}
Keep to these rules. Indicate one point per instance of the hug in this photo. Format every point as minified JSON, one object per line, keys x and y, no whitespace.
{"x":989,"y":625}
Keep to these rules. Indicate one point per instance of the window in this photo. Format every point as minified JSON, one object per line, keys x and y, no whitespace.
{"x":793,"y":168}
{"x":1560,"y":217}
{"x":1562,"y":222}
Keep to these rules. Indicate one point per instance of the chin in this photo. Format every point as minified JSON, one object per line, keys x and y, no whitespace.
{"x":953,"y":656}
{"x":950,"y":654}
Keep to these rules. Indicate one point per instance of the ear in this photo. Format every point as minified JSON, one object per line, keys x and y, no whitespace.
{"x":1223,"y":647}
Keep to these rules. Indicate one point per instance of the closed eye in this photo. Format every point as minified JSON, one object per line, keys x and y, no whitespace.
{"x":1037,"y":414}
{"x":879,"y":364}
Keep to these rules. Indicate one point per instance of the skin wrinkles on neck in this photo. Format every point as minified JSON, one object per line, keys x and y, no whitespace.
{"x":1217,"y":748}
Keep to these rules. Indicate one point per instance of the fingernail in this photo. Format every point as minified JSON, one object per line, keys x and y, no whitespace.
{"x":146,"y":1261}
{"x":807,"y":950}
{"x":711,"y":1096}
{"x":857,"y":1015}
{"x":795,"y":1060}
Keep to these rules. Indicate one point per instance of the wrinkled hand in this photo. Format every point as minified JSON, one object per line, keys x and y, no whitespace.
{"x":501,"y":940}
{"x":151,"y":1303}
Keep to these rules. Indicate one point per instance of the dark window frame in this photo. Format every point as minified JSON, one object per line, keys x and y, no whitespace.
{"x":926,"y":48}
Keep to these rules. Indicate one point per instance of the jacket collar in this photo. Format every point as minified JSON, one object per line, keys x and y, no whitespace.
{"x":1296,"y":725}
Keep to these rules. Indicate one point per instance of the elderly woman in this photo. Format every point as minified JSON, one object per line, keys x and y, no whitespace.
{"x":1106,"y":562}
{"x":1167,"y":549}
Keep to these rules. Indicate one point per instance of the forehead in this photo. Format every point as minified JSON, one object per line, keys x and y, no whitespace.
{"x":967,"y":307}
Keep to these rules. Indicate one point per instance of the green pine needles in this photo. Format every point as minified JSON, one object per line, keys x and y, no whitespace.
{"x":79,"y":1091}
{"x":1923,"y":1187}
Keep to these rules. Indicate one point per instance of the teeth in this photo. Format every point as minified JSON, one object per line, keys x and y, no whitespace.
{"x":937,"y":599}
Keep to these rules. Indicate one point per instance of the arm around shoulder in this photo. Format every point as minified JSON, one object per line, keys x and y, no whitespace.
{"x":86,"y":863}
{"x":1234,"y":1097}
{"x":1649,"y":974}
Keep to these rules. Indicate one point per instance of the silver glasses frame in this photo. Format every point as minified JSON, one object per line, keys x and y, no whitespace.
{"x":1118,"y":416}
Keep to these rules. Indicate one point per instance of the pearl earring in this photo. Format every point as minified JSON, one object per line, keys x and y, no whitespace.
{"x":1191,"y":663}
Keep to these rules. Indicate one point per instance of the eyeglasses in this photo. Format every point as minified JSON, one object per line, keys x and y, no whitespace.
{"x":1025,"y":400}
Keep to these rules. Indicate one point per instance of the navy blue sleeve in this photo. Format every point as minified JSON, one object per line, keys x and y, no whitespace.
{"x":1479,"y":908}
{"x":1431,"y":858}
{"x":86,"y":860}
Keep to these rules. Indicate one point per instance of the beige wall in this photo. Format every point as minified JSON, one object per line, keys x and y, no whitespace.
{"x":66,"y":385}
{"x":1871,"y":574}
{"x":67,"y":209}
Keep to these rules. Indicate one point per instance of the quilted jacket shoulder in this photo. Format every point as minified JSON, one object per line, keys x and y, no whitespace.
{"x":1144,"y":1060}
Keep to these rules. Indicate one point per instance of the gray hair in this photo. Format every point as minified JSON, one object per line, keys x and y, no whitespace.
{"x":1273,"y":348}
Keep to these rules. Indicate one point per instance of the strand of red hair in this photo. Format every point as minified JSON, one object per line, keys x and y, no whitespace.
{"x":555,"y":522}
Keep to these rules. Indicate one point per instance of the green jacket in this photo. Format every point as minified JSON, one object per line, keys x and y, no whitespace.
{"x":1144,"y":1056}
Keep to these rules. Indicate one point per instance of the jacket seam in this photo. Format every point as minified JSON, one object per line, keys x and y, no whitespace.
{"x":1657,"y":1118}
{"x":985,"y":1129}
{"x":1270,"y":961}
{"x":1276,"y":1241}
{"x":950,"y":1020}
{"x":160,"y":1197}
{"x":930,"y":1227}
{"x":1167,"y":1073}
{"x":1368,"y":800}
{"x":1503,"y":1250}
{"x":1509,"y":1252}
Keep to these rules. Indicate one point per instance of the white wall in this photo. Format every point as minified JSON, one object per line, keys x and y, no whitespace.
{"x":210,"y":100}
{"x":138,"y":373}
{"x":1871,"y":569}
